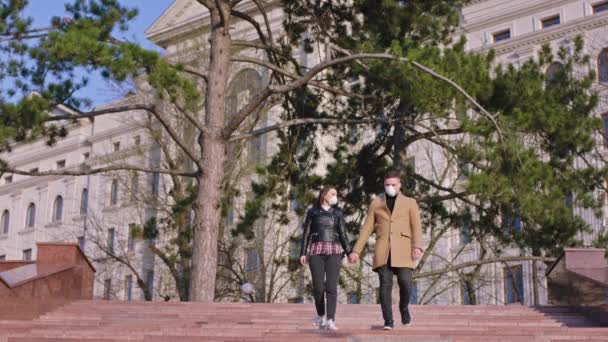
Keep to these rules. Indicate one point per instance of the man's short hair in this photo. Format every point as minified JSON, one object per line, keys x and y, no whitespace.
{"x":392,"y":174}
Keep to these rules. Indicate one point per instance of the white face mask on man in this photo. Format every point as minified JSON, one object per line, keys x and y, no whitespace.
{"x":390,"y":190}
{"x":333,"y":200}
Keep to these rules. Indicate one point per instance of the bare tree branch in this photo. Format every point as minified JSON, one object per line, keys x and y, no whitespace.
{"x":306,"y":78}
{"x":30,"y":34}
{"x":320,"y":85}
{"x":94,"y":113}
{"x":313,"y":121}
{"x":176,"y":137}
{"x":255,"y":24}
{"x":266,"y":21}
{"x":192,"y":71}
{"x":482,"y":262}
{"x":207,"y":3}
{"x":15,"y":38}
{"x":256,"y":45}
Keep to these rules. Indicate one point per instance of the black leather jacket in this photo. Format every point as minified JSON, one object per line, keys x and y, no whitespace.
{"x":324,"y":225}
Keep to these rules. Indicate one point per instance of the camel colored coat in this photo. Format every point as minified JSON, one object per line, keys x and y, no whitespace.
{"x":398,"y":233}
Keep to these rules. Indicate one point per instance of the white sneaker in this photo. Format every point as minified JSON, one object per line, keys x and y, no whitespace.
{"x":319,"y":321}
{"x":331,"y":325}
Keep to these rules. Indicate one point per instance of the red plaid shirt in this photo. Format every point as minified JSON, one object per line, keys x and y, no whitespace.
{"x":325,"y":247}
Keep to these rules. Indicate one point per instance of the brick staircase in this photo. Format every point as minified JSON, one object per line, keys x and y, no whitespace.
{"x":183,"y":322}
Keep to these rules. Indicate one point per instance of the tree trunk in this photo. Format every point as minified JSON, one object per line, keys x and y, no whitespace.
{"x":213,"y":148}
{"x":401,"y":159}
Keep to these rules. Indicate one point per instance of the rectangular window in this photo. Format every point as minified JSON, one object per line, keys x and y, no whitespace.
{"x":465,"y":232}
{"x":223,"y":258}
{"x":252,"y":260}
{"x":150,"y":282}
{"x":460,"y":108}
{"x":466,"y":293}
{"x":600,"y":7}
{"x":256,"y":150}
{"x":128,"y":288}
{"x":84,"y":201}
{"x":550,"y":21}
{"x":107,"y":289}
{"x":381,"y":125}
{"x":569,"y":200}
{"x":296,"y":300}
{"x":2,"y":257}
{"x":414,"y":293}
{"x":137,"y":140}
{"x":510,"y":222}
{"x":111,"y":235}
{"x":411,"y":165}
{"x":231,"y":216}
{"x":463,"y":170}
{"x":353,"y":134}
{"x":294,"y":202}
{"x":353,"y":298}
{"x":61,"y":164}
{"x":131,"y":232}
{"x":502,"y":35}
{"x":155,"y":183}
{"x":8,"y":179}
{"x":514,"y":285}
{"x":605,"y":123}
{"x":27,"y":254}
{"x":81,"y":242}
{"x":116,"y":146}
{"x":86,"y":155}
{"x":294,"y":249}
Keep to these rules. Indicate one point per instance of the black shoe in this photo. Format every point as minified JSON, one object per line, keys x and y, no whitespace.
{"x":388,"y":325}
{"x":406,"y":319}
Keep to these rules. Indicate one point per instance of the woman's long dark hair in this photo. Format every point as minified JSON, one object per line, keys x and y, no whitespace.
{"x":324,"y":190}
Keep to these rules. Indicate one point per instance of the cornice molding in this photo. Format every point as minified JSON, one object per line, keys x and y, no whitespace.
{"x":38,"y":182}
{"x":511,"y":15}
{"x":568,"y":29}
{"x":52,"y":152}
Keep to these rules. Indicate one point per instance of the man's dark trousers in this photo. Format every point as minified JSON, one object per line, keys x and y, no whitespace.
{"x":404,"y":279}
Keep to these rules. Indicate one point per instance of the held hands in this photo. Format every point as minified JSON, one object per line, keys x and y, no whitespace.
{"x":353,"y":258}
{"x":303,"y":260}
{"x":416,"y":253}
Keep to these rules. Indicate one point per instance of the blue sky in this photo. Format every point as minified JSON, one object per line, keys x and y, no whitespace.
{"x":100,"y":91}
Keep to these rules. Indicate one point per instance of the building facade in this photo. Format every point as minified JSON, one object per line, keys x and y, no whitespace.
{"x":98,"y":211}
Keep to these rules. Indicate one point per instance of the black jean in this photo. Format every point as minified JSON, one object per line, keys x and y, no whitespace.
{"x":404,"y":279}
{"x":325,"y":270}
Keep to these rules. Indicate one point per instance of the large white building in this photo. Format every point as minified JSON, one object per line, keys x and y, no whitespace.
{"x":98,"y":210}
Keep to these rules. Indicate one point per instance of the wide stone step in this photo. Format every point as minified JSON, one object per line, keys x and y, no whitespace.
{"x":183,"y":322}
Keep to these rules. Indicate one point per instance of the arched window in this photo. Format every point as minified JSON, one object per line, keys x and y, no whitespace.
{"x":114,"y":192}
{"x":30,"y":217}
{"x":554,"y":71}
{"x":58,"y":209}
{"x":6,"y":221}
{"x":84,"y":201}
{"x":243,"y":88}
{"x":602,"y":66}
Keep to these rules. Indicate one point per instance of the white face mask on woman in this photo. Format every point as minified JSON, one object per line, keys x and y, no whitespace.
{"x":333,"y":200}
{"x":390,"y":191}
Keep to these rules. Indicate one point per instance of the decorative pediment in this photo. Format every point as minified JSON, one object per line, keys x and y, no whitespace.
{"x":180,"y":11}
